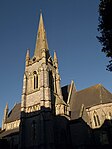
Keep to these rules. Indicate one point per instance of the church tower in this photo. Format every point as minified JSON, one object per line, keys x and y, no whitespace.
{"x":36,"y":89}
{"x":41,"y":96}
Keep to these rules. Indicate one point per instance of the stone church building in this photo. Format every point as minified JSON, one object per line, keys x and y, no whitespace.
{"x":53,"y":117}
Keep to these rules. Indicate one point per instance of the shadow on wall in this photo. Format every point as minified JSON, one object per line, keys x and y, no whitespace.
{"x":83,"y":137}
{"x":4,"y":144}
{"x":44,"y":130}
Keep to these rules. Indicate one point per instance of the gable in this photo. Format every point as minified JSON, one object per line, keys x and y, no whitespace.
{"x":14,"y":114}
{"x":89,"y":97}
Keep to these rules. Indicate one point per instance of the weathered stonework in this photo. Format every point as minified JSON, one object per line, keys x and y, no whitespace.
{"x":102,"y":112}
{"x":54,"y":117}
{"x":12,"y":125}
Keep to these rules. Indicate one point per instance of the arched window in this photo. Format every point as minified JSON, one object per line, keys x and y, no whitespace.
{"x":96,"y":119}
{"x":50,"y":80}
{"x":35,"y":80}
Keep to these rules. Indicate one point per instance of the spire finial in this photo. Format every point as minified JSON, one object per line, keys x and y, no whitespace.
{"x":28,"y":52}
{"x":41,"y":42}
{"x":6,"y":107}
{"x":27,"y":56}
{"x":55,"y":57}
{"x":6,"y":111}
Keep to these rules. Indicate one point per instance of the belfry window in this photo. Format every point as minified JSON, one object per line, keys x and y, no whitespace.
{"x":50,"y":80}
{"x":35,"y":80}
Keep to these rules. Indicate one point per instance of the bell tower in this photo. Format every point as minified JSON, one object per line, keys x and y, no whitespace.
{"x":41,"y":82}
{"x":36,"y":88}
{"x":41,"y":95}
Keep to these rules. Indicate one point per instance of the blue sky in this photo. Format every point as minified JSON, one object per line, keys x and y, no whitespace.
{"x":71,"y":27}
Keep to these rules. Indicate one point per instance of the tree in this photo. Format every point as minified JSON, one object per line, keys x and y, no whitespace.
{"x":105,"y":29}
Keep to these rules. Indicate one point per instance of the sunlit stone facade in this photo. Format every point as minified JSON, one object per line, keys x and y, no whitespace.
{"x":54,"y":117}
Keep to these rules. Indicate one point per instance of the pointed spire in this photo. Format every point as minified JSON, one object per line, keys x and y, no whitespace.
{"x":6,"y":107}
{"x":55,"y":60}
{"x":41,"y":41}
{"x":6,"y":111}
{"x":27,"y":57}
{"x":55,"y":57}
{"x":28,"y":54}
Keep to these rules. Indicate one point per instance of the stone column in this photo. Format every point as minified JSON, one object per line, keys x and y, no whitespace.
{"x":23,"y":102}
{"x":58,"y":86}
{"x":42,"y":101}
{"x":47,"y":88}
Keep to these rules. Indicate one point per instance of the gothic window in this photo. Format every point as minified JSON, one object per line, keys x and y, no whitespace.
{"x":50,"y":80}
{"x":35,"y":80}
{"x":96,"y":119}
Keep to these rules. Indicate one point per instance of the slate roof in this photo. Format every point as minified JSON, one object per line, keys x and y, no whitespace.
{"x":89,"y":97}
{"x":14,"y":114}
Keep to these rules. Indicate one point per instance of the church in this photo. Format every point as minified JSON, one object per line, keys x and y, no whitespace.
{"x":53,"y":117}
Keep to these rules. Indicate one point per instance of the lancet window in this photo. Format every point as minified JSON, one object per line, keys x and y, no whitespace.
{"x":35,"y":76}
{"x":96,"y":119}
{"x":51,"y":80}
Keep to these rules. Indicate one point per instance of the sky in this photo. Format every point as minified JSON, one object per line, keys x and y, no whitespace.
{"x":71,"y":28}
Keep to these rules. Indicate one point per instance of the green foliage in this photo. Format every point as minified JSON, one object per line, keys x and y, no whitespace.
{"x":105,"y":29}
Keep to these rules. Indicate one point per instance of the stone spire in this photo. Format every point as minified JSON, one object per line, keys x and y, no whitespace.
{"x":41,"y":41}
{"x":6,"y":111}
{"x":27,"y":57}
{"x":55,"y":57}
{"x":55,"y":61}
{"x":6,"y":107}
{"x":58,"y":86}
